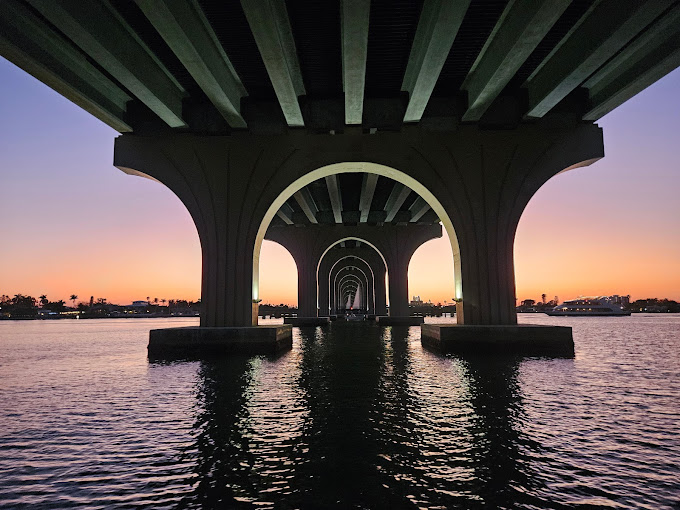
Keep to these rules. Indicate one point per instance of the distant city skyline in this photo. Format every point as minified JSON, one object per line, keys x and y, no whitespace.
{"x":74,"y":224}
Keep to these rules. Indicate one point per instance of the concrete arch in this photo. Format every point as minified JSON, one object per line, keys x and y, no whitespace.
{"x":233,"y":186}
{"x":325,"y":252}
{"x":371,"y":284}
{"x":353,"y":167}
{"x":339,"y":281}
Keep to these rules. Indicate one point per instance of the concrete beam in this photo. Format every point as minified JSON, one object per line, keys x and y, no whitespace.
{"x":354,"y":23}
{"x":98,"y":30}
{"x":367,"y":191}
{"x":607,"y":28}
{"x":187,"y":32}
{"x":306,"y":201}
{"x":646,"y":60}
{"x":437,"y":28}
{"x":522,"y":26}
{"x":396,"y":200}
{"x":285,"y":212}
{"x":335,"y":197}
{"x":32,"y":45}
{"x":269,"y":23}
{"x":418,"y":209}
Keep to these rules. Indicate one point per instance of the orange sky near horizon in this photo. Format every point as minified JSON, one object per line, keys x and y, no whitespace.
{"x":71,"y":223}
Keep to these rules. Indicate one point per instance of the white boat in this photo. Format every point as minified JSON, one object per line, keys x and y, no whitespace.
{"x":589,"y":307}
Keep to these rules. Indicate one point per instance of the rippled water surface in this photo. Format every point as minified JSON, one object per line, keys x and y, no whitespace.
{"x":353,"y":417}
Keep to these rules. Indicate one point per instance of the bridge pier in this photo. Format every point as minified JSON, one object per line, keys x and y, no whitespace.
{"x":478,"y":181}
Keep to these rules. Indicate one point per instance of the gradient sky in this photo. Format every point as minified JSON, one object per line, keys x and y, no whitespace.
{"x":71,"y":223}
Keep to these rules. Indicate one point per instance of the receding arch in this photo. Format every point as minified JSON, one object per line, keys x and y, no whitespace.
{"x":354,"y":167}
{"x":330,"y":272}
{"x":352,"y":238}
{"x":350,"y":278}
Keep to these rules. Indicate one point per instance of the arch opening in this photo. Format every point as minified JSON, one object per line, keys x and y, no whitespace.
{"x":358,"y":167}
{"x":279,"y":278}
{"x":370,"y":285}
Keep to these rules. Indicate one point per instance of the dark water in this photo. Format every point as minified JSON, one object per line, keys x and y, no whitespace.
{"x":355,"y":417}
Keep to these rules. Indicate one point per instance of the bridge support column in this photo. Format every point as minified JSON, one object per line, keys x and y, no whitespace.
{"x":380,"y":290}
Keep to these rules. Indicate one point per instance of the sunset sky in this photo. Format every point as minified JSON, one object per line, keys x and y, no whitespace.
{"x":71,"y":223}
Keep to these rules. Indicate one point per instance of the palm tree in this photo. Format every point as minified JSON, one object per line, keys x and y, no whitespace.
{"x":44,"y":300}
{"x":163,"y":301}
{"x":147,"y":299}
{"x":73,"y":299}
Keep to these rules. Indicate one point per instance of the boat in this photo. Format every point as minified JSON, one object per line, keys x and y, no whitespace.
{"x":589,"y":307}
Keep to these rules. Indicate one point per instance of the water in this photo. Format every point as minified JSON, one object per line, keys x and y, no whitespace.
{"x":357,"y":417}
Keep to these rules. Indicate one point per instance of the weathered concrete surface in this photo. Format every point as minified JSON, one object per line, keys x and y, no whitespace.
{"x":234,"y":340}
{"x":399,"y":321}
{"x":522,"y":339}
{"x":481,"y":179}
{"x":306,"y":321}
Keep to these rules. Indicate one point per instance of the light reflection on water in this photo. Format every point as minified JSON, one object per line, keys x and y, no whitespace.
{"x":353,"y":416}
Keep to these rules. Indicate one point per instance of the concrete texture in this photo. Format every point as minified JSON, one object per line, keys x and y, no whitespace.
{"x":522,"y":339}
{"x":306,"y":321}
{"x":202,"y":340}
{"x":399,"y":321}
{"x":478,"y":181}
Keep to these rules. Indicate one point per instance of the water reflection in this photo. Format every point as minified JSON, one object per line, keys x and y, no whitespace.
{"x":501,"y":470}
{"x":223,"y":460}
{"x":359,"y":416}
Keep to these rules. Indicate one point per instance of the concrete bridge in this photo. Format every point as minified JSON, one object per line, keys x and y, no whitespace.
{"x":352,"y":119}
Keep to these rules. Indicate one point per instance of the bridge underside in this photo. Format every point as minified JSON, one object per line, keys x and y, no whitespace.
{"x":361,"y":118}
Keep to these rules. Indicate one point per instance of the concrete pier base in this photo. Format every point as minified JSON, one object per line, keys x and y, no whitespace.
{"x":302,"y":322}
{"x":233,"y":340}
{"x":384,"y":320}
{"x":523,"y":339}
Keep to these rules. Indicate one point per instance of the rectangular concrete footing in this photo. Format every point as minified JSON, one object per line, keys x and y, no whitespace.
{"x":521,"y":339}
{"x":386,"y":320}
{"x":302,"y":322}
{"x":235,"y":340}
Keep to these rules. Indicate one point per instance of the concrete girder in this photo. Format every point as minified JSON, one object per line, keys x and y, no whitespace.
{"x":437,"y":28}
{"x":522,"y":26}
{"x":354,"y":22}
{"x":306,"y":202}
{"x":269,"y":23}
{"x":647,"y":59}
{"x":335,"y":197}
{"x":98,"y":30}
{"x":286,"y":214}
{"x":397,"y":197}
{"x":33,"y":46}
{"x":607,"y":27}
{"x":418,"y":209}
{"x":367,"y":191}
{"x":187,"y":32}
